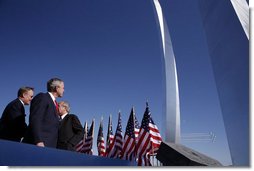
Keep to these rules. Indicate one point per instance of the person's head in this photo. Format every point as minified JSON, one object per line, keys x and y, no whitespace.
{"x":26,"y":94}
{"x":56,"y":87}
{"x":64,"y":107}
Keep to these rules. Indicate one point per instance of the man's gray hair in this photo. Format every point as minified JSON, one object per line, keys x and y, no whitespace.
{"x":53,"y":83}
{"x":66,"y":105}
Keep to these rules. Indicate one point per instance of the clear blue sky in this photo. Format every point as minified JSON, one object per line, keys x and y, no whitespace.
{"x":108,"y":52}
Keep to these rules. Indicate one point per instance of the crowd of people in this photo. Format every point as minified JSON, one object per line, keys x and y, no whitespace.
{"x":50,"y":122}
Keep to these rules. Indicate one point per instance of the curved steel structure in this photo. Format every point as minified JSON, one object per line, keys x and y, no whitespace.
{"x":172,"y":106}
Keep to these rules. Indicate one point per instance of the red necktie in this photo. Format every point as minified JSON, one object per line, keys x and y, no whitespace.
{"x":57,"y":108}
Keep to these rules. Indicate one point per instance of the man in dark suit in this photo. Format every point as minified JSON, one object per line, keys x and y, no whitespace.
{"x":71,"y":131}
{"x":12,"y":123}
{"x":44,"y":119}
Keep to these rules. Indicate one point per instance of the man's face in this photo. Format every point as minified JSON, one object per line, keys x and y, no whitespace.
{"x":62,"y":109}
{"x":28,"y":96}
{"x":60,"y":89}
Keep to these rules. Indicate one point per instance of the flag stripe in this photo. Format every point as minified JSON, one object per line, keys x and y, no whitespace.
{"x":149,"y":139}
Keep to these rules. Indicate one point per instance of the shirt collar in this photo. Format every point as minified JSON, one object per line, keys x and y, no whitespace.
{"x":21,"y":102}
{"x":64,"y":115}
{"x":52,"y":97}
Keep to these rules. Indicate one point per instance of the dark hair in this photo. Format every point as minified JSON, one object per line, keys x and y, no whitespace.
{"x":23,"y":90}
{"x":53,"y":83}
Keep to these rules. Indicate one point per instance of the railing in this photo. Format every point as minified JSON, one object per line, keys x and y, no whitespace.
{"x":154,"y":161}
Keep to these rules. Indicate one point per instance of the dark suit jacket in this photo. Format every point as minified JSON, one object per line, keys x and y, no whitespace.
{"x":71,"y":132}
{"x":43,"y":121}
{"x":12,"y":123}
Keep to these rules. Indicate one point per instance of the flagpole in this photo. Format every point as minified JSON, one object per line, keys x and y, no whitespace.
{"x":85,"y":135}
{"x":153,"y":155}
{"x":92,"y":136}
{"x":135,"y":150}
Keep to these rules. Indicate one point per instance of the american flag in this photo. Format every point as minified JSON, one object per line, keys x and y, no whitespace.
{"x":110,"y":136}
{"x":155,"y":136}
{"x":149,"y":138}
{"x":100,"y":141}
{"x":117,"y":145}
{"x":79,"y":146}
{"x":136,"y":127}
{"x":128,"y":152}
{"x":88,"y":145}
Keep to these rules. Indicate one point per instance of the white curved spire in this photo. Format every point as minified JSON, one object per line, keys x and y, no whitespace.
{"x":242,"y":10}
{"x":172,"y":114}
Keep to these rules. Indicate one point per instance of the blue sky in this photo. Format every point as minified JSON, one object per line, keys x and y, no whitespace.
{"x":109,"y":55}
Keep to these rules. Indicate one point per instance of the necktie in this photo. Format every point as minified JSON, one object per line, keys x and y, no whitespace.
{"x":57,"y":107}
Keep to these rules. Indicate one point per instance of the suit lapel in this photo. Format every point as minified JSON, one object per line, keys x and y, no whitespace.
{"x":52,"y":105}
{"x":19,"y":103}
{"x":64,"y":120}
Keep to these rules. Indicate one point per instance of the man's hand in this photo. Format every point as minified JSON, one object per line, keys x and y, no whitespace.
{"x":40,"y":144}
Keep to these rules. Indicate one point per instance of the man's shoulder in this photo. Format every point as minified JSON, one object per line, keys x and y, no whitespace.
{"x":9,"y":106}
{"x":71,"y":116}
{"x":14,"y":102}
{"x":42,"y":95}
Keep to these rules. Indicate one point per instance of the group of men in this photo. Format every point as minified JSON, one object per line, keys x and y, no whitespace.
{"x":50,"y":124}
